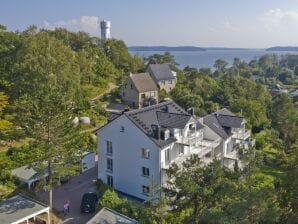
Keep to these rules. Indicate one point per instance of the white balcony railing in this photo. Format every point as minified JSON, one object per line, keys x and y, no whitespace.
{"x":242,"y":134}
{"x":203,"y":148}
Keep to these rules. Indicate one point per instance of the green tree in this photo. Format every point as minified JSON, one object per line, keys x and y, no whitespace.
{"x":195,"y":189}
{"x":220,"y":64}
{"x":47,"y":79}
{"x":284,"y":117}
{"x":4,"y":124}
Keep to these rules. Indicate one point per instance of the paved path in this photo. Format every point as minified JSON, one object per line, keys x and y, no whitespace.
{"x":109,"y":89}
{"x":73,"y":191}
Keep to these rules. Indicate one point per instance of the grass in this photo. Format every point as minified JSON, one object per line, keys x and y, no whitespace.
{"x":5,"y":145}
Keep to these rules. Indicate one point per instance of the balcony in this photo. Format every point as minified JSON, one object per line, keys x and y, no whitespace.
{"x":232,"y":155}
{"x":202,"y":149}
{"x":242,"y":134}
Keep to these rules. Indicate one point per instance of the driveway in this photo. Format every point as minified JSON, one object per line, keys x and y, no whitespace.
{"x":73,"y":191}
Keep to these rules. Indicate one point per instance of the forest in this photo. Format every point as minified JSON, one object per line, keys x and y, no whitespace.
{"x":49,"y":77}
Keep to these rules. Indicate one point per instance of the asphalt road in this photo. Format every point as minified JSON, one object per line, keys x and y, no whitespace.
{"x":73,"y":191}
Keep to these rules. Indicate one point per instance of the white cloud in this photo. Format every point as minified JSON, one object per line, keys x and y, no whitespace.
{"x":227,"y":26}
{"x":280,"y":19}
{"x":88,"y":24}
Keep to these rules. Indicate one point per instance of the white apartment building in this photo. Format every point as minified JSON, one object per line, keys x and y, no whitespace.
{"x":138,"y":146}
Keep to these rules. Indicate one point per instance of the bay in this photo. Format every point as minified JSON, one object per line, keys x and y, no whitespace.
{"x":206,"y":59}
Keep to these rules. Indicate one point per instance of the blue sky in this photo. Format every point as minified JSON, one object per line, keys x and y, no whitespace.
{"x":208,"y":23}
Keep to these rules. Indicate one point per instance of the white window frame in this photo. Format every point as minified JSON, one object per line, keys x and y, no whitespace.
{"x":145,"y":171}
{"x":110,"y":180}
{"x":109,"y":147}
{"x":110,"y":164}
{"x":145,"y":153}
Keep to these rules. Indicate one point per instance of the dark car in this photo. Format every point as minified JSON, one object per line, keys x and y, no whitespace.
{"x":89,"y":201}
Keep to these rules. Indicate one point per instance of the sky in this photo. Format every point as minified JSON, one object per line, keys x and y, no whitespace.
{"x":202,"y":23}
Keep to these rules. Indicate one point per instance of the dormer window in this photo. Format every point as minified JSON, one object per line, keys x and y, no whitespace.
{"x":165,"y":134}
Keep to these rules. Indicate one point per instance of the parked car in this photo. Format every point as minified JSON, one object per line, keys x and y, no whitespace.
{"x":89,"y":201}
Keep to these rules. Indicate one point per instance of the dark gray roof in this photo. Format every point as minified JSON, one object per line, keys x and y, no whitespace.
{"x":143,"y":82}
{"x":161,"y":72}
{"x":116,"y":107}
{"x":222,"y":121}
{"x":230,"y":121}
{"x":167,"y":114}
{"x":172,"y":120}
{"x":109,"y":216}
{"x":14,"y":209}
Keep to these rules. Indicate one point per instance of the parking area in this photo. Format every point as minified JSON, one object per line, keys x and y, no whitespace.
{"x":73,"y":191}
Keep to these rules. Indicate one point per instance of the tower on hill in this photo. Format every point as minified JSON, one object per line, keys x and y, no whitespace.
{"x":105,"y":26}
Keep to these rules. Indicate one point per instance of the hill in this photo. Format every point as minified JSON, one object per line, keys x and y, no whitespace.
{"x":289,"y":48}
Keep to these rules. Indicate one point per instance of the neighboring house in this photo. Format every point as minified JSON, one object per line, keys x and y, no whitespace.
{"x":87,"y":161}
{"x":277,"y":89}
{"x":231,"y":129}
{"x":21,"y":209}
{"x":137,"y":147}
{"x":28,"y":175}
{"x":109,"y":216}
{"x":139,"y":90}
{"x":163,"y":76}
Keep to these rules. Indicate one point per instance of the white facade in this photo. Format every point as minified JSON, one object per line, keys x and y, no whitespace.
{"x":127,"y":157}
{"x":127,"y":144}
{"x":105,"y":26}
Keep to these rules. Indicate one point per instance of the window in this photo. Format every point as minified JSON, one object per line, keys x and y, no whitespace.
{"x":167,"y":154}
{"x":110,"y":164}
{"x":152,"y":94}
{"x":170,"y":81}
{"x":145,"y":153}
{"x":122,"y":129}
{"x":181,"y":149}
{"x":145,"y":189}
{"x":125,"y":86}
{"x":145,"y":171}
{"x":143,"y":96}
{"x":109,"y":147}
{"x":123,"y":94}
{"x":131,"y":86}
{"x":110,"y":180}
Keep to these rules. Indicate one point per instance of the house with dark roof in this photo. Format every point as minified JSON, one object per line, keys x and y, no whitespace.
{"x":137,"y":147}
{"x":163,"y":76}
{"x":231,"y":129}
{"x":109,"y":216}
{"x":139,"y":90}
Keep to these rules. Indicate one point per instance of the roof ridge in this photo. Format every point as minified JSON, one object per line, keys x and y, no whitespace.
{"x":143,"y":109}
{"x":174,"y":113}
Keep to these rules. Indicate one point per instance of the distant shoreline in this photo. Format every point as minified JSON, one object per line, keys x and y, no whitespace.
{"x":193,"y":48}
{"x":184,"y":48}
{"x":282,"y":48}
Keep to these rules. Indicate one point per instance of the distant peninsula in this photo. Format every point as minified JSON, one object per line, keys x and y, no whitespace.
{"x":179,"y":48}
{"x":282,"y":49}
{"x":165,"y":48}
